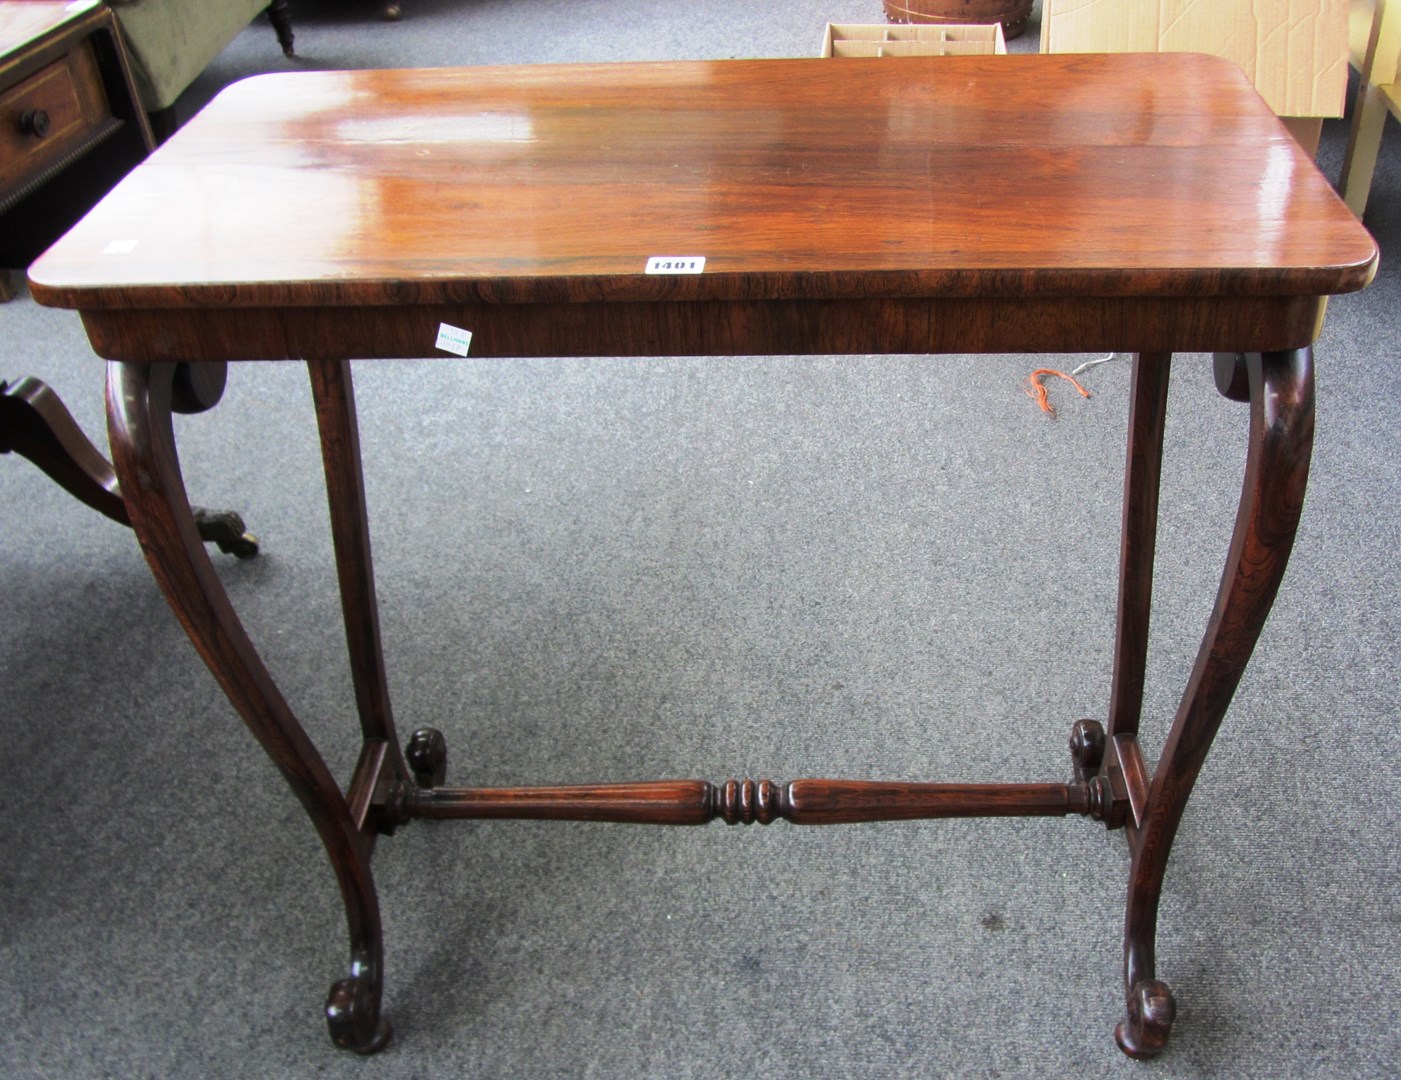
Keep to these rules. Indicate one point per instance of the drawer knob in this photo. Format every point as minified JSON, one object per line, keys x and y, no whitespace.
{"x":34,"y":122}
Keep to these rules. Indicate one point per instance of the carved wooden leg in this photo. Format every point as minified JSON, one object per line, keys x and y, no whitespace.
{"x":1114,"y":757}
{"x":1147,"y":417}
{"x":381,"y":763}
{"x":143,"y":450}
{"x":1281,"y":397}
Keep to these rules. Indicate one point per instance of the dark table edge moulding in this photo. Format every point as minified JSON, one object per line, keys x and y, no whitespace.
{"x":1270,"y":368}
{"x":718,"y":286}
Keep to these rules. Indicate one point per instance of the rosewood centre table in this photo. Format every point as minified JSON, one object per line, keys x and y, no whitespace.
{"x":1145,"y":204}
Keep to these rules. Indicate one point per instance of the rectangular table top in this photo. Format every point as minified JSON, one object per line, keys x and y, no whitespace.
{"x":1128,"y":175}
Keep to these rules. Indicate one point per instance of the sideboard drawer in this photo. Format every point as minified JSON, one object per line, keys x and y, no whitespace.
{"x":51,"y":114}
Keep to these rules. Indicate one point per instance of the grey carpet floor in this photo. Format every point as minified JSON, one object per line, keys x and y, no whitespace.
{"x":620,"y":569}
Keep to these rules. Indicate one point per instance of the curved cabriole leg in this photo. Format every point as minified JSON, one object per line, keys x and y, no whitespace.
{"x":1281,"y":395}
{"x":143,"y":451}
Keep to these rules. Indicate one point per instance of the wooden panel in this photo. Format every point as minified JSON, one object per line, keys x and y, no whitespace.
{"x":1012,"y":176}
{"x":711,"y":328}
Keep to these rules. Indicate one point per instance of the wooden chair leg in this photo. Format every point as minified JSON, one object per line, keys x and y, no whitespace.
{"x":280,"y":15}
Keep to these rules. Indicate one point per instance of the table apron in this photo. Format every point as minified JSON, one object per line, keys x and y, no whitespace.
{"x":714,"y":328}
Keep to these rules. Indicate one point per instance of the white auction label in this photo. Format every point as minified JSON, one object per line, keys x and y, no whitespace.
{"x":120,"y":247}
{"x":676,"y":264}
{"x":454,"y":339}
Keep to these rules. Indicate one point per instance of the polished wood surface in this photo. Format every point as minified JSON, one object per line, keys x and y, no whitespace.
{"x":1159,"y":182}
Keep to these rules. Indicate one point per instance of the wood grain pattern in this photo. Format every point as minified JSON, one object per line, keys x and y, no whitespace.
{"x":1022,"y":176}
{"x":717,"y":328}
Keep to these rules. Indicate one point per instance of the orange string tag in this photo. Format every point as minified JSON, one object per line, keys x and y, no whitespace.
{"x":1036,"y":390}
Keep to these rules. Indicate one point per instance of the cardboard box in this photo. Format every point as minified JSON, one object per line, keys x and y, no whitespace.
{"x":1359,"y":30}
{"x":906,"y":39}
{"x":1294,"y":51}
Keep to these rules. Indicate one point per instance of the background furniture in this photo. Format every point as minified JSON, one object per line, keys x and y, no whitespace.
{"x":70,"y":127}
{"x":35,"y":424}
{"x":71,"y":123}
{"x":1378,"y":93}
{"x":172,"y":41}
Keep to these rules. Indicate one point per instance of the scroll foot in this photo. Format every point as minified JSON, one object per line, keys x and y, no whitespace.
{"x":427,"y":757}
{"x":353,"y":1019}
{"x":1151,"y":1011}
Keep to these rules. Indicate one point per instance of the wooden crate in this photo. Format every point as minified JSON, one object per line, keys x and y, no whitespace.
{"x":879,"y":39}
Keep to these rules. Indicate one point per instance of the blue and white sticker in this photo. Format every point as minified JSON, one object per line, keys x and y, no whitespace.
{"x":676,"y":264}
{"x":454,"y":339}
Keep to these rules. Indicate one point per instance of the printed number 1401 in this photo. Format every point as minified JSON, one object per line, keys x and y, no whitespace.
{"x":676,"y":264}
